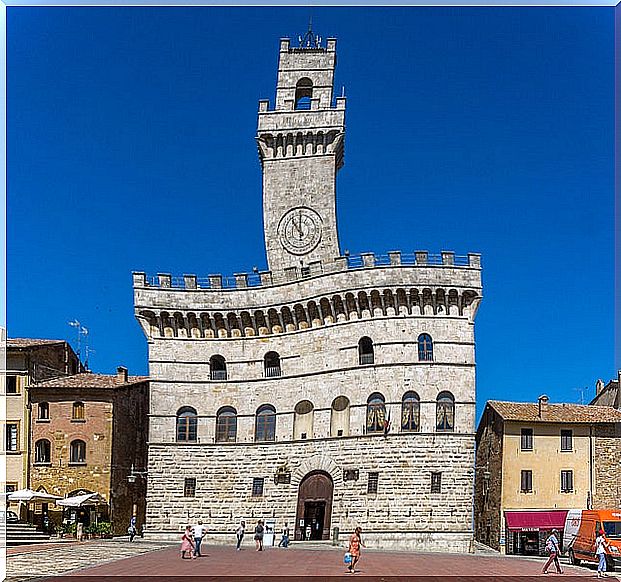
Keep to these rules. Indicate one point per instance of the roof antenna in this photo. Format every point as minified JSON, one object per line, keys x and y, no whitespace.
{"x":310,"y":40}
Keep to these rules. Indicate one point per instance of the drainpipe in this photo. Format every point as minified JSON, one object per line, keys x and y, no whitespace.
{"x":590,"y":498}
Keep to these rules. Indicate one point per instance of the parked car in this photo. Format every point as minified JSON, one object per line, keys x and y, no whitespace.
{"x":581,"y":527}
{"x":8,"y":516}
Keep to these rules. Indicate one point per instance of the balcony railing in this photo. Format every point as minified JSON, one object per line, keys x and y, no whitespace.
{"x":367,"y":359}
{"x":217,"y":374}
{"x":273,"y":371}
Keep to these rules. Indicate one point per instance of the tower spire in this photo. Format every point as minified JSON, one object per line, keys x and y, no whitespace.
{"x":310,"y":40}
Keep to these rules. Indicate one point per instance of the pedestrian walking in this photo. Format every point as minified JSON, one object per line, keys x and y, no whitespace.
{"x":240,"y":531}
{"x":284,"y":540}
{"x":354,"y":549}
{"x":553,"y":548}
{"x":601,"y":545}
{"x":131,"y":530}
{"x":199,"y":531}
{"x":258,"y":535}
{"x":187,"y":543}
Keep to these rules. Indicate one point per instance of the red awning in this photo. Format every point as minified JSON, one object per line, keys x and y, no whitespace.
{"x":535,"y":520}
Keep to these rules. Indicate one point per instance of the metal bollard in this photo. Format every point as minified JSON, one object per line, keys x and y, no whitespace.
{"x":335,"y":536}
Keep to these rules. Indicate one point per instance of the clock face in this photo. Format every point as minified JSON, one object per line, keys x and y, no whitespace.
{"x":300,"y":230}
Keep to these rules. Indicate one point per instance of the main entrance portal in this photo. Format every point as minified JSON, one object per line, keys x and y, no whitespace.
{"x":314,"y":507}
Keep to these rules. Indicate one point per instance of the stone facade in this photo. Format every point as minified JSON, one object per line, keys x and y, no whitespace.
{"x":109,"y":415}
{"x":589,"y":450}
{"x":385,"y":424}
{"x":29,"y":360}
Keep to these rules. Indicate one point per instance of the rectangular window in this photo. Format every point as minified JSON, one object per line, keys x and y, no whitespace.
{"x":527,"y":439}
{"x":372,"y":484}
{"x":11,"y":434}
{"x":567,"y":481}
{"x":11,"y":385}
{"x":10,"y":487}
{"x":436,"y":482}
{"x":257,"y":486}
{"x":567,"y":440}
{"x":189,"y":487}
{"x":526,"y":481}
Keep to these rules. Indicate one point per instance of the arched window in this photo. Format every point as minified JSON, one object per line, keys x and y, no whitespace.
{"x":303,"y":421}
{"x":271,"y":364}
{"x":43,"y":412}
{"x":217,"y":368}
{"x":365,"y":351}
{"x":186,"y":424}
{"x":410,"y":412}
{"x":77,"y":412}
{"x":226,"y":425}
{"x":445,"y":412}
{"x":265,"y":425}
{"x":77,"y":452}
{"x":376,"y":413}
{"x":425,"y":348}
{"x":303,"y":93}
{"x":339,"y":417}
{"x":43,"y":451}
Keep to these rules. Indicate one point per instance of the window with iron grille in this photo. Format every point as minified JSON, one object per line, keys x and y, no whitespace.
{"x":436,"y":482}
{"x":526,"y":440}
{"x":372,"y":483}
{"x":217,"y":368}
{"x":271,"y":365}
{"x":366,"y":354}
{"x":11,"y":385}
{"x":567,"y":440}
{"x":11,"y":434}
{"x":189,"y":487}
{"x":257,"y":486}
{"x":567,"y":481}
{"x":526,"y":481}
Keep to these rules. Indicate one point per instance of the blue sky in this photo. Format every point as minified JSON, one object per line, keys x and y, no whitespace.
{"x":131,"y":147}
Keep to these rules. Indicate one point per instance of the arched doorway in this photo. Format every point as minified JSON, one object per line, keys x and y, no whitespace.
{"x":314,"y":510}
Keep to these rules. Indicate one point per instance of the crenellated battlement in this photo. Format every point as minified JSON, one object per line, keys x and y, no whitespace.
{"x":218,"y":282}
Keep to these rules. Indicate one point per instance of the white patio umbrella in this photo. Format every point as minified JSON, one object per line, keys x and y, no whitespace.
{"x":82,"y":500}
{"x":28,"y":495}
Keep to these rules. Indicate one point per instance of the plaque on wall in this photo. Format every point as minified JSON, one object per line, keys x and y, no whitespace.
{"x":351,"y":474}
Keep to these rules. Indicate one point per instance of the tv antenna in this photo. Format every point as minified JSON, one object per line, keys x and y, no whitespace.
{"x":82,"y":335}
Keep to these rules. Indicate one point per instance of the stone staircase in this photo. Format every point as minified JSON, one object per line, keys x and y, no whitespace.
{"x":18,"y":534}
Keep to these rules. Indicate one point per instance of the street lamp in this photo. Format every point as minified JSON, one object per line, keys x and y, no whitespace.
{"x":133,"y":475}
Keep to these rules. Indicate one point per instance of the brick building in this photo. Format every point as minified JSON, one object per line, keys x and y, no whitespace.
{"x":534,"y":462}
{"x":88,"y":430}
{"x":328,"y":392}
{"x":28,"y":360}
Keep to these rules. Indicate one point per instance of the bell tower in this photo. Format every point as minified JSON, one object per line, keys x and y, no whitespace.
{"x":301,"y":148}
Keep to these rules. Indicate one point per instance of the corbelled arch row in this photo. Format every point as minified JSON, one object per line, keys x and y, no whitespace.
{"x":310,"y":314}
{"x":286,"y":145}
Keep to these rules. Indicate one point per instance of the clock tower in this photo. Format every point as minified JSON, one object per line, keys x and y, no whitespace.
{"x":300,"y":144}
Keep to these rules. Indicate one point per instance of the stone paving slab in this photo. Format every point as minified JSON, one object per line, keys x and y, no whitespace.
{"x":34,"y":562}
{"x":224,"y":562}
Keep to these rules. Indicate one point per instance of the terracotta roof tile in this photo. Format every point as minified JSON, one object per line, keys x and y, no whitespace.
{"x":90,"y":380}
{"x":566,"y":413}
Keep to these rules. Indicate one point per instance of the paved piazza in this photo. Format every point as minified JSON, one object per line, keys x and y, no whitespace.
{"x":98,"y":559}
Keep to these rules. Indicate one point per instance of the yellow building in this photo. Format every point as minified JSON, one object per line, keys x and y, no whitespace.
{"x":28,"y":361}
{"x":534,"y":462}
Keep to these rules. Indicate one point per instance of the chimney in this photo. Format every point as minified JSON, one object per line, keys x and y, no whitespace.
{"x":543,"y":402}
{"x":599,"y":386}
{"x":121,"y":374}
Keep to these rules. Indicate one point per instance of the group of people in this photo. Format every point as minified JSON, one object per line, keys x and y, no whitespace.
{"x":193,"y":536}
{"x":191,"y":540}
{"x":553,"y":548}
